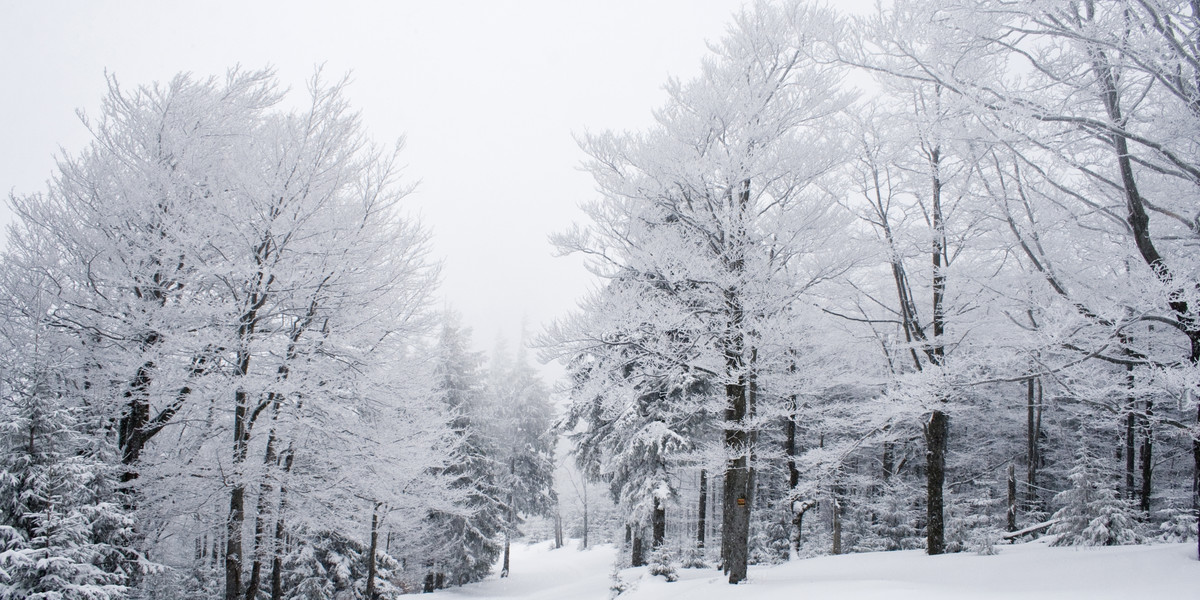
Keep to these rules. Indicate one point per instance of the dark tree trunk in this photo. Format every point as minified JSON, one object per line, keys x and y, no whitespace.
{"x":936,"y":432}
{"x":837,"y":525}
{"x":739,"y":394}
{"x":1130,"y":434}
{"x":585,"y":515}
{"x":1012,"y":497}
{"x":233,"y":543}
{"x":371,"y":551}
{"x":507,"y":548}
{"x":277,"y":550}
{"x":558,"y":530}
{"x":658,"y":524}
{"x":636,"y":556}
{"x":703,"y":509}
{"x":889,"y":462}
{"x":1147,"y":456}
{"x":260,"y":518}
{"x":937,"y":429}
{"x":1033,"y":456}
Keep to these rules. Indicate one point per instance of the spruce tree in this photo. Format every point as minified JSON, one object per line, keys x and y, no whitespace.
{"x":469,"y":541}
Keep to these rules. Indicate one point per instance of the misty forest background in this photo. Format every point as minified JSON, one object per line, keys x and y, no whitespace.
{"x":924,"y":279}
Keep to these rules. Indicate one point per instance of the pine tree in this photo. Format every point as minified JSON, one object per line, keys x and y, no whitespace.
{"x":523,"y":419}
{"x":63,"y":531}
{"x":1092,"y":514}
{"x":469,"y":542}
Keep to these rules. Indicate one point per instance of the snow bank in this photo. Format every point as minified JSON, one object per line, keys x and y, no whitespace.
{"x":1029,"y":572}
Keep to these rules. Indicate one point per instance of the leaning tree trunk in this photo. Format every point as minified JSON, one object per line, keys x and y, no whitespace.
{"x":1139,"y":226}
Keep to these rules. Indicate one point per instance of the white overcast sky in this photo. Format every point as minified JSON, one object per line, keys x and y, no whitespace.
{"x":488,"y":94}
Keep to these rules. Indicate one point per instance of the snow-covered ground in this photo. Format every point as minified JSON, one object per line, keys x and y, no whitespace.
{"x":1028,"y":572}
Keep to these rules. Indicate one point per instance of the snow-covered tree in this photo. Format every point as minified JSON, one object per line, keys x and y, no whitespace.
{"x":64,"y":532}
{"x":469,"y":542}
{"x":523,"y":428}
{"x":714,"y":221}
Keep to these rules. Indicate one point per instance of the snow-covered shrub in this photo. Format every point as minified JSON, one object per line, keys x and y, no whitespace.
{"x":1091,"y":514}
{"x":972,"y":525}
{"x":693,"y":558}
{"x":1178,"y":526}
{"x":617,"y":584}
{"x":770,"y":537}
{"x":660,"y":564}
{"x":329,"y":566}
{"x":892,"y":523}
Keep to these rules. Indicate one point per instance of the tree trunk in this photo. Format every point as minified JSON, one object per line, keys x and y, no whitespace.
{"x":260,"y":517}
{"x":837,"y":525}
{"x":739,"y":410}
{"x":1012,"y":497}
{"x":277,"y":550}
{"x":371,"y":551}
{"x":636,"y":556}
{"x":585,"y":515}
{"x":937,"y":429}
{"x":702,"y":510}
{"x":936,"y":432}
{"x":1033,"y":432}
{"x":1147,"y":456}
{"x":1130,"y":431}
{"x":507,"y":547}
{"x":659,"y":523}
{"x":558,"y":530}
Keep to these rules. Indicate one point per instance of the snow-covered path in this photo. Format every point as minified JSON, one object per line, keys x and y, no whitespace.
{"x":539,"y":573}
{"x":1028,"y":572}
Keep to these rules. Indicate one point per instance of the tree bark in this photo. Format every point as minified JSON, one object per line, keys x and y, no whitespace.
{"x":659,"y":523}
{"x":702,"y":509}
{"x":371,"y":551}
{"x":837,"y":525}
{"x":1147,"y":456}
{"x":1033,"y":426}
{"x":585,"y":514}
{"x":636,"y":556}
{"x":936,"y":432}
{"x":507,"y":552}
{"x":277,"y":549}
{"x":1012,"y":497}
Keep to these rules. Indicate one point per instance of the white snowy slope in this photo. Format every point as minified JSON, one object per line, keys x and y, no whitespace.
{"x":538,"y":572}
{"x":1028,"y":572}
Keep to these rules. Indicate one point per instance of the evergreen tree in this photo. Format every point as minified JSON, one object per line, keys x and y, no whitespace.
{"x":1092,"y":514}
{"x":64,"y":534}
{"x":523,"y":420}
{"x":469,"y":542}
